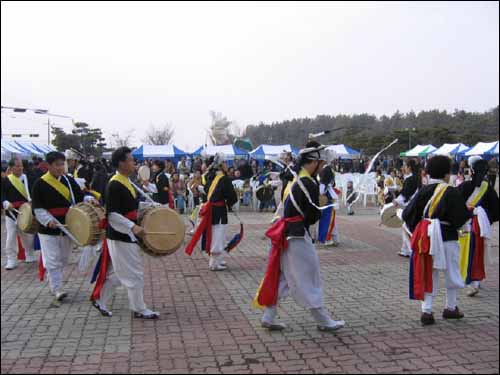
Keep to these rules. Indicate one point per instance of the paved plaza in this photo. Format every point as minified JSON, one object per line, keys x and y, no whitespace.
{"x":207,"y":324}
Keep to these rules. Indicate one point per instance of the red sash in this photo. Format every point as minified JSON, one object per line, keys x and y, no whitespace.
{"x":477,"y":272}
{"x":18,"y":204}
{"x":205,"y":226}
{"x":105,"y":260}
{"x":421,"y":262}
{"x":58,"y":211}
{"x":267,"y":295}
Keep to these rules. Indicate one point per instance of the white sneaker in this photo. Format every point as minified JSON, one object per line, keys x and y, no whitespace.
{"x":218,"y":267}
{"x":334,"y":325}
{"x":30,"y":259}
{"x":11,"y":264}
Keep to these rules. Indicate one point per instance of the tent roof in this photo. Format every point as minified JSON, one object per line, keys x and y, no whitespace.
{"x":228,"y":150}
{"x":273,"y":150}
{"x":343,"y":150}
{"x":419,"y":150}
{"x":157,"y":151}
{"x":483,"y":148}
{"x":451,"y":149}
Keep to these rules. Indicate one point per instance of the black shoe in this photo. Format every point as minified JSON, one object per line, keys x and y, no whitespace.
{"x":427,"y":319}
{"x":101,"y":310}
{"x":453,"y":314}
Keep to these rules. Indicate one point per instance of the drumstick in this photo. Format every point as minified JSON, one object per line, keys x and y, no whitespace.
{"x":168,"y":233}
{"x":13,"y":209}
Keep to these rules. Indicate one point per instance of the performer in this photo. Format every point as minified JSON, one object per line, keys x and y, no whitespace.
{"x":220,"y":196}
{"x":121,"y":262}
{"x":15,"y":192}
{"x":411,"y":184}
{"x":434,"y":216}
{"x":286,"y":175}
{"x":293,"y":265}
{"x":53,"y":194}
{"x":482,"y":200}
{"x":161,"y":186}
{"x":328,"y":232}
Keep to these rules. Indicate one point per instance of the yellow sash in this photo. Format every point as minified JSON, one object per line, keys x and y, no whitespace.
{"x":438,"y":195}
{"x":302,"y":173}
{"x":76,"y":173}
{"x":214,"y":185}
{"x":465,"y":237}
{"x":125,"y":182}
{"x":479,"y":194}
{"x":58,"y":185}
{"x":16,"y":182}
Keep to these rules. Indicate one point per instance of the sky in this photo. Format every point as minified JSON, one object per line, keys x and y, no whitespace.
{"x":123,"y":67}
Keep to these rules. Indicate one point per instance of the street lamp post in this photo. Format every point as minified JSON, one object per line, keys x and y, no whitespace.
{"x":409,"y":130}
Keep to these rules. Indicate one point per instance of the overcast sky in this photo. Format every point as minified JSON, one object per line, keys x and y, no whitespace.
{"x":121,"y":67}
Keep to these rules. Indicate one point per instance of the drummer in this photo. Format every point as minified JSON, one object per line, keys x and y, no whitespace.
{"x":15,"y":192}
{"x":53,"y":194}
{"x":121,"y":262}
{"x":412,"y":182}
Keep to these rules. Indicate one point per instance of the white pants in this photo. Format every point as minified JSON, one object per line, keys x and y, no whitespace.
{"x":55,"y":255}
{"x":300,"y":277}
{"x":127,"y":269}
{"x":406,"y":243}
{"x":218,"y":244}
{"x":453,"y":279}
{"x":11,"y":247}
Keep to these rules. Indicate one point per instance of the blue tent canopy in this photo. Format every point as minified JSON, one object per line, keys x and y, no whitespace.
{"x":160,"y":152}
{"x":272,"y":151}
{"x":230,"y":151}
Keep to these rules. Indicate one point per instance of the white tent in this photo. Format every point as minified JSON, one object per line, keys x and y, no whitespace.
{"x":230,"y":151}
{"x":269,"y":151}
{"x":451,"y":149}
{"x":483,"y":148}
{"x":344,"y":151}
{"x":419,"y":150}
{"x":494,"y":151}
{"x":158,"y":152}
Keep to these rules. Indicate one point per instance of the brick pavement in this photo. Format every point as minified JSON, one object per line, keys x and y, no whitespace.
{"x":208,"y":326}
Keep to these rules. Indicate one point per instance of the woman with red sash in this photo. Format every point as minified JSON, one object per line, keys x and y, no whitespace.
{"x":293,"y":266}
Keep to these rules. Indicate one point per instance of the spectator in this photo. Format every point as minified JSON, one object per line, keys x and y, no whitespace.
{"x":179,"y":191}
{"x":492,"y":172}
{"x":193,"y":184}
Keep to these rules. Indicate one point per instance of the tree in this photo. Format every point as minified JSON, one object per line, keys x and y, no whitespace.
{"x":63,"y":141}
{"x":122,"y":140}
{"x":159,"y":136}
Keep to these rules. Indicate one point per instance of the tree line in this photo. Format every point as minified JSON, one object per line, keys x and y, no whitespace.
{"x":368,"y":133}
